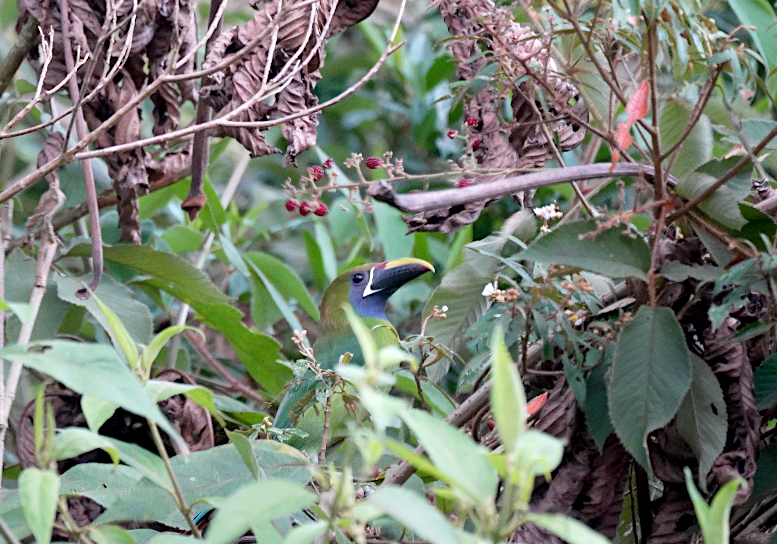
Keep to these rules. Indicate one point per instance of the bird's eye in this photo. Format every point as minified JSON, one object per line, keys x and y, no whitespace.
{"x":357,"y":278}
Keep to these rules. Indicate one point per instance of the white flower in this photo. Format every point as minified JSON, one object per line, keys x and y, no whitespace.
{"x":488,"y":289}
{"x":548,"y":212}
{"x":444,"y":309}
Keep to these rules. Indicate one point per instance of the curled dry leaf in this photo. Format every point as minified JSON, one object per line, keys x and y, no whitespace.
{"x":258,"y":88}
{"x":602,"y":501}
{"x":539,"y":118}
{"x":732,"y":366}
{"x":128,"y":45}
{"x":675,"y":520}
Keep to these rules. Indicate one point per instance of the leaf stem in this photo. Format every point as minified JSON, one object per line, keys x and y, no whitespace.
{"x":180,"y":500}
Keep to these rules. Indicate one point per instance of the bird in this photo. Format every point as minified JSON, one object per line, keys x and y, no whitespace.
{"x":367,"y":289}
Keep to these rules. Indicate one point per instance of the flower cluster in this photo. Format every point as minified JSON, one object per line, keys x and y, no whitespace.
{"x":551,"y":211}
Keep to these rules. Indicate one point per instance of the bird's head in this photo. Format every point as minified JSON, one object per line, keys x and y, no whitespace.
{"x":369,"y":286}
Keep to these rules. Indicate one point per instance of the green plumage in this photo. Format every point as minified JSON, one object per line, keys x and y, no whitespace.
{"x":368,"y":298}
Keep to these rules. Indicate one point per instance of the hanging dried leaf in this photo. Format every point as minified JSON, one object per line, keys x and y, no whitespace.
{"x":526,"y":140}
{"x":675,"y":520}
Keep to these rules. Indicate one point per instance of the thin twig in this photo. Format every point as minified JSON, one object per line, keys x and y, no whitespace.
{"x":91,"y":190}
{"x":327,"y":422}
{"x":28,"y":35}
{"x":46,"y":252}
{"x":235,"y":385}
{"x":180,"y":500}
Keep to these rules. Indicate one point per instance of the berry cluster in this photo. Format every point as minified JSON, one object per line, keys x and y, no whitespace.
{"x":305,"y":207}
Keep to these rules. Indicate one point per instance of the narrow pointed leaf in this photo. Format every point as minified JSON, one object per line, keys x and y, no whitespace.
{"x":39,"y":492}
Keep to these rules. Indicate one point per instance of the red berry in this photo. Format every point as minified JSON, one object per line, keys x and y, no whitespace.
{"x":465,"y":182}
{"x":373,"y":162}
{"x":316,"y":172}
{"x":329,"y":163}
{"x":476,"y":144}
{"x":416,"y":192}
{"x":471,"y":121}
{"x":291,"y":205}
{"x":305,"y":209}
{"x":490,"y":424}
{"x":451,"y":134}
{"x":321,"y":210}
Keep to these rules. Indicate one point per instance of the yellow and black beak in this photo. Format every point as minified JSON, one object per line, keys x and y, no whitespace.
{"x":389,"y":276}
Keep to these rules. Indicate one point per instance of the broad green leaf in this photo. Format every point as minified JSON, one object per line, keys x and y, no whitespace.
{"x":651,"y":373}
{"x":243,"y":447}
{"x":280,"y":302}
{"x":610,"y":253}
{"x":306,"y":533}
{"x":508,"y":399}
{"x":696,"y":149}
{"x":183,"y":239}
{"x":718,"y":205}
{"x":597,"y":416}
{"x":461,"y":291}
{"x":324,"y":241}
{"x":172,"y":274}
{"x":315,"y":261}
{"x":415,"y":513}
{"x":171,"y":538}
{"x":701,"y":419}
{"x":766,"y":383}
{"x":39,"y":493}
{"x":714,"y":519}
{"x":74,"y":441}
{"x":151,"y":351}
{"x":171,"y":269}
{"x":677,"y":271}
{"x":91,"y":369}
{"x":566,"y":528}
{"x":215,"y":472}
{"x":434,"y":395}
{"x":537,"y":454}
{"x":284,"y":279}
{"x":259,"y":501}
{"x":97,"y":411}
{"x":391,"y":231}
{"x":758,"y":17}
{"x":111,"y":534}
{"x":127,"y":321}
{"x":103,"y":483}
{"x":21,"y":310}
{"x":455,"y":454}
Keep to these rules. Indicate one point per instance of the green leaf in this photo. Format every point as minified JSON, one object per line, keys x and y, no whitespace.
{"x":243,"y":447}
{"x":133,"y":316}
{"x":74,"y":441}
{"x":566,"y":528}
{"x":103,"y":483}
{"x":679,"y":272}
{"x":111,"y":534}
{"x":461,"y":291}
{"x":391,"y":232}
{"x":415,"y":513}
{"x":363,"y":334}
{"x":97,"y":411}
{"x":759,"y":19}
{"x":91,"y":369}
{"x":696,"y":149}
{"x":714,"y":519}
{"x":21,"y":310}
{"x":216,"y":472}
{"x":39,"y":493}
{"x":597,"y":416}
{"x":315,"y":261}
{"x":651,"y":373}
{"x":508,"y":399}
{"x":252,"y":504}
{"x":610,"y":253}
{"x":766,"y":383}
{"x":183,"y":239}
{"x":285,"y":280}
{"x":455,"y":454}
{"x":171,"y":269}
{"x":718,"y":205}
{"x":324,"y":241}
{"x":161,"y":390}
{"x":701,"y":419}
{"x":306,"y":533}
{"x":280,"y":302}
{"x":537,"y":454}
{"x":158,"y":342}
